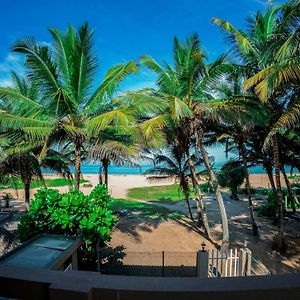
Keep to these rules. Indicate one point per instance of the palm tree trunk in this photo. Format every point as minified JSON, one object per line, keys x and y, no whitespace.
{"x":279,"y":198}
{"x":100,"y":175}
{"x":27,"y":193}
{"x":248,"y":187}
{"x":268,"y":169}
{"x":77,"y":165}
{"x":105,"y":163}
{"x":234,"y":194}
{"x":202,"y":216}
{"x":185,"y":188}
{"x":216,"y":186}
{"x":290,"y":192}
{"x":189,"y":207}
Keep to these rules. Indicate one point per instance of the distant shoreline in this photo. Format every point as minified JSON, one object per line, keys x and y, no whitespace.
{"x":125,"y":170}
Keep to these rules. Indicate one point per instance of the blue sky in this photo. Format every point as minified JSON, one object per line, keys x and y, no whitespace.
{"x":124,"y":30}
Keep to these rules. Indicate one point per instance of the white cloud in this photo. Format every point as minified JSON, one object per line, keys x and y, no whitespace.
{"x":140,"y":85}
{"x":13,"y":58}
{"x":44,"y":43}
{"x":12,"y":62}
{"x":6,"y":82}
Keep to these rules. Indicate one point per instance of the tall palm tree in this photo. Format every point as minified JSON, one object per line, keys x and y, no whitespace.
{"x":172,"y":162}
{"x":186,"y":88}
{"x":65,"y":73}
{"x":268,"y":38}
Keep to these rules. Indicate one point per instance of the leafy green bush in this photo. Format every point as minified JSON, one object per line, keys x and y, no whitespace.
{"x":73,"y":213}
{"x":206,"y":188}
{"x":268,"y":208}
{"x":232,"y":175}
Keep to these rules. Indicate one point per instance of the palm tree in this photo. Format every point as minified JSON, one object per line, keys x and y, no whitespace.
{"x":232,"y":175}
{"x":264,"y":52}
{"x":65,"y":76}
{"x":112,"y":149}
{"x":186,"y":88}
{"x":172,"y":162}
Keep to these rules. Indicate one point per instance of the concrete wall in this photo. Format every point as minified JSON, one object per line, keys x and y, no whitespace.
{"x":40,"y":284}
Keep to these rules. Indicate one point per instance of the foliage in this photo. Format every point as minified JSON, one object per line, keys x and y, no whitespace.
{"x":206,"y":188}
{"x":73,"y":213}
{"x":232,"y":175}
{"x":269,"y":207}
{"x":56,"y":182}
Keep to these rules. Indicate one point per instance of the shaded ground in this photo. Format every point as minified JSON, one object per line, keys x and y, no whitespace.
{"x":147,"y":228}
{"x":240,"y":232}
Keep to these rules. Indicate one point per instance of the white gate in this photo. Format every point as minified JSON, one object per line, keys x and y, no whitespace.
{"x":224,"y":263}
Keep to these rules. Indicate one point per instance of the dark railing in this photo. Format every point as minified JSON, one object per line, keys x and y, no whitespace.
{"x":150,"y":264}
{"x":40,"y":284}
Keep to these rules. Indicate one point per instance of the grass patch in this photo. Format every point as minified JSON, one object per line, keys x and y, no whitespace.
{"x":164,"y":193}
{"x":133,"y":209}
{"x":56,"y":182}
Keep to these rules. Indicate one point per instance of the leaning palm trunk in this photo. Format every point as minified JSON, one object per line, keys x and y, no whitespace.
{"x":77,"y":165}
{"x":248,"y":187}
{"x":216,"y":186}
{"x":290,"y":192}
{"x":268,"y":169}
{"x":185,"y":188}
{"x":27,"y":193}
{"x":202,"y":215}
{"x":100,"y":179}
{"x":105,"y":164}
{"x":279,"y":198}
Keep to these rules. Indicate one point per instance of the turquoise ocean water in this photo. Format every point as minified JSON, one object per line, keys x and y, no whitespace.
{"x":113,"y":169}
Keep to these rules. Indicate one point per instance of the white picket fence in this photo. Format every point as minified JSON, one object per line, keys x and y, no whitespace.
{"x":225,"y":263}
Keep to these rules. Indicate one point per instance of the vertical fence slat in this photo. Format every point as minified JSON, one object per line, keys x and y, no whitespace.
{"x":235,"y":262}
{"x":212,"y":262}
{"x":163,"y":264}
{"x":217,"y":264}
{"x":230,"y":263}
{"x":221,"y":255}
{"x":226,"y":266}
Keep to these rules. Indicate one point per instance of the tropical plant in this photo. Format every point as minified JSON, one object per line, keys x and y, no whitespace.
{"x":64,"y":73}
{"x":268,"y":51}
{"x":232,"y":175}
{"x":186,"y":88}
{"x":73,"y":214}
{"x":171,"y":162}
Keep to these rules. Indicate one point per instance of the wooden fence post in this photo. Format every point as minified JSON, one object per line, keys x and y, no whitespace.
{"x":202,"y":264}
{"x":245,"y":262}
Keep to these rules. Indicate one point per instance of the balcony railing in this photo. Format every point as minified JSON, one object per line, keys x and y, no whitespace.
{"x":32,"y":284}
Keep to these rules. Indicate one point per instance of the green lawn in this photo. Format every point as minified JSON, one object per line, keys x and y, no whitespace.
{"x":163,"y":193}
{"x":37,"y":183}
{"x":133,"y":209}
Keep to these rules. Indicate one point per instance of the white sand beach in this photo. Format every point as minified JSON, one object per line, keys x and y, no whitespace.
{"x":119,"y":184}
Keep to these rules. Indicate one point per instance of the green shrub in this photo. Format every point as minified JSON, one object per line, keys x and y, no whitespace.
{"x":232,"y":175}
{"x":73,"y":213}
{"x":206,"y":188}
{"x":269,"y":207}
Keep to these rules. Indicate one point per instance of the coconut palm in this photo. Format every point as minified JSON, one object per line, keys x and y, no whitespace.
{"x":65,"y":73}
{"x":172,"y":162}
{"x":186,"y":88}
{"x":257,"y":49}
{"x":232,"y":175}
